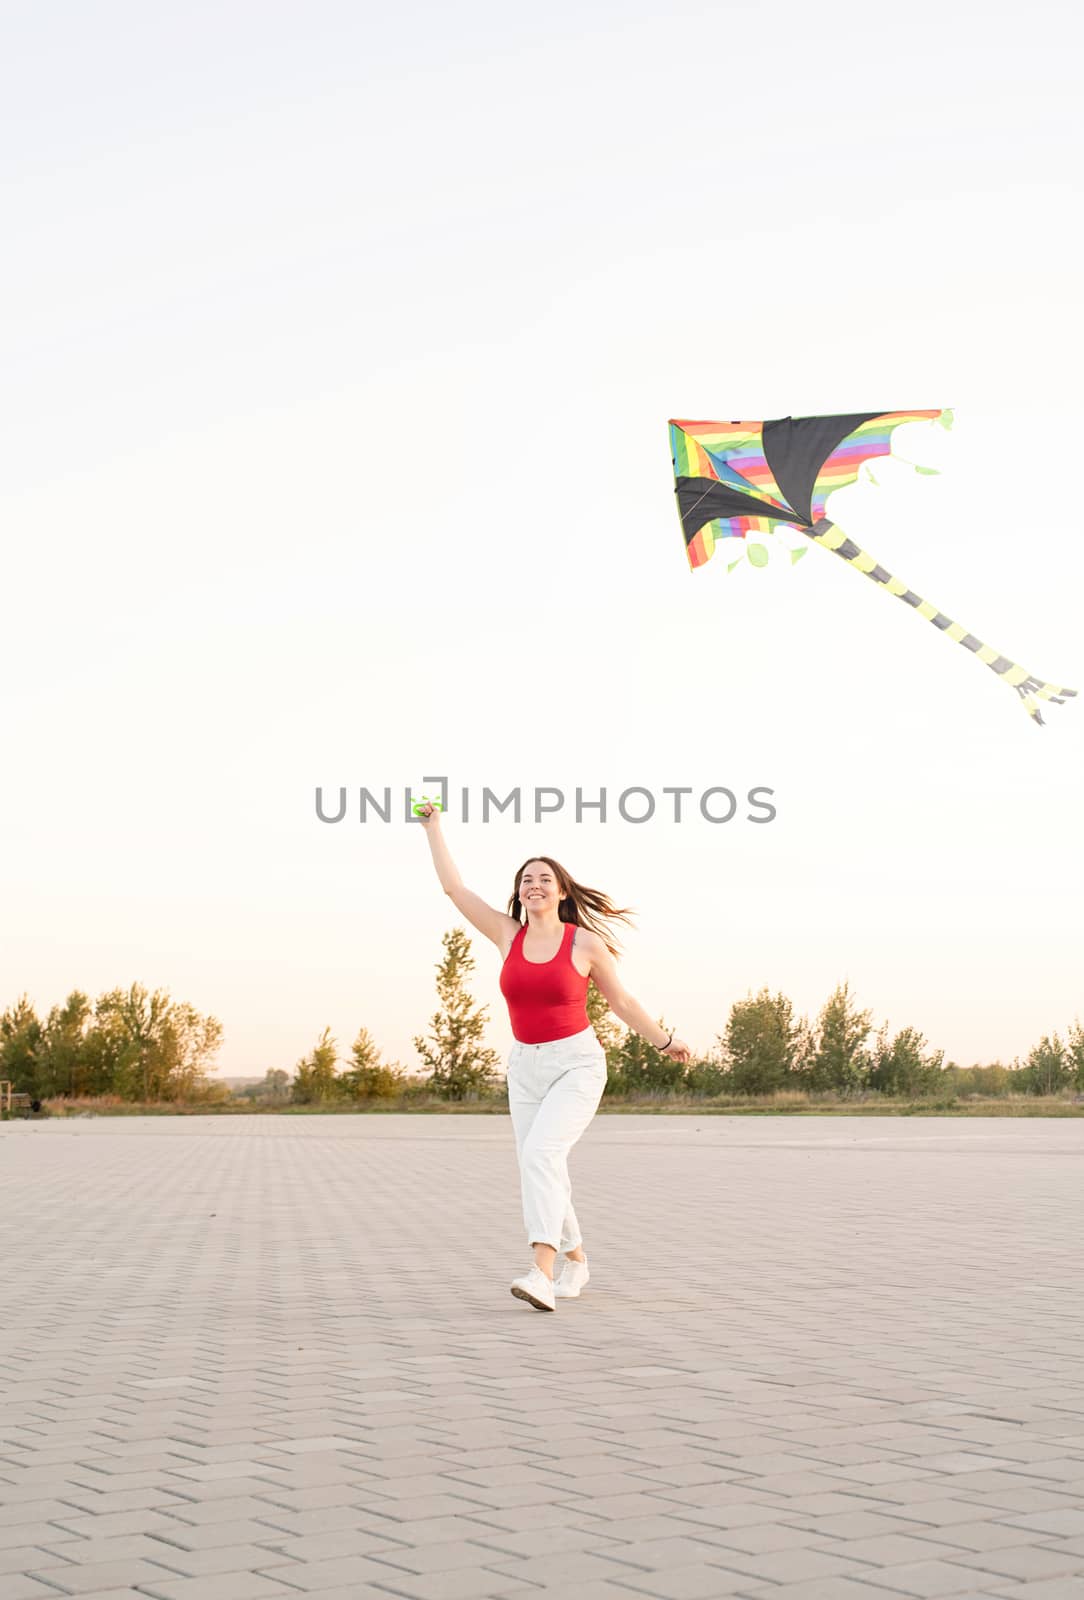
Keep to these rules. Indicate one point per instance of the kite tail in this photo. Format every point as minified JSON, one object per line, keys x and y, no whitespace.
{"x":1030,"y":689}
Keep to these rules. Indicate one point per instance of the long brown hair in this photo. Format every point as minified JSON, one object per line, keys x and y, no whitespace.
{"x":587,"y":908}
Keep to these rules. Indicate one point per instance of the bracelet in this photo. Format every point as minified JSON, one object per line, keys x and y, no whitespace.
{"x":668,"y":1043}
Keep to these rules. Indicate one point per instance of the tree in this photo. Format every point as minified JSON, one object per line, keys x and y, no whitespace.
{"x":145,"y":1046}
{"x":840,"y":1060}
{"x":637,"y":1067}
{"x":706,"y":1076}
{"x":133,"y":1043}
{"x":764,"y":1045}
{"x":1075,"y":1050}
{"x":990,"y":1081}
{"x":904,"y":1066}
{"x":459,"y":1064}
{"x":64,"y":1059}
{"x":272,"y":1089}
{"x":115,"y":1046}
{"x":316,"y":1080}
{"x":20,"y":1047}
{"x":187,"y":1046}
{"x":368,"y":1077}
{"x":1049,"y":1066}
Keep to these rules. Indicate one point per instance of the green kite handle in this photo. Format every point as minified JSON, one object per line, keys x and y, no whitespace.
{"x":416,"y":808}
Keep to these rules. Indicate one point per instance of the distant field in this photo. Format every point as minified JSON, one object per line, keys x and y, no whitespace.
{"x":784,"y":1104}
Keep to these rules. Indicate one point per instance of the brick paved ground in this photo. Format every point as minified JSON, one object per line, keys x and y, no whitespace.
{"x":271,"y":1356}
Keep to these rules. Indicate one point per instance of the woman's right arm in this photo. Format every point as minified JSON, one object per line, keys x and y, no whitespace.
{"x":496,"y":925}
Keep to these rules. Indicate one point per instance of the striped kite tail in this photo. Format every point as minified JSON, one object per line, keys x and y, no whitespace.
{"x":1030,"y":689}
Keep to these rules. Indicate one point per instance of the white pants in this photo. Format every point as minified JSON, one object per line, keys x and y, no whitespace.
{"x":553,"y":1092}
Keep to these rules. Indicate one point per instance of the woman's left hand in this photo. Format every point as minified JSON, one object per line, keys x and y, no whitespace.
{"x":678,"y":1050}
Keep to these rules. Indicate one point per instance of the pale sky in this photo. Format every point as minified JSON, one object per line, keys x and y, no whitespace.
{"x":339,"y":350}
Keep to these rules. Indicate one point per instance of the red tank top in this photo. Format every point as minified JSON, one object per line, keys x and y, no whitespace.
{"x":546,"y":999}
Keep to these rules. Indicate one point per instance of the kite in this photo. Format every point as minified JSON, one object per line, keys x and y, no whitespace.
{"x":740,"y":479}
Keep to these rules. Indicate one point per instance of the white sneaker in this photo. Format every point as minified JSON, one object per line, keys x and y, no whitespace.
{"x":536,"y":1289}
{"x":574,"y":1277}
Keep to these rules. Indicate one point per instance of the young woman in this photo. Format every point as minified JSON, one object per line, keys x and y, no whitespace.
{"x":557,"y":1067}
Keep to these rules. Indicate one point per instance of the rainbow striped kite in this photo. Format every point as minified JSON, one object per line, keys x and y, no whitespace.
{"x":735,"y":480}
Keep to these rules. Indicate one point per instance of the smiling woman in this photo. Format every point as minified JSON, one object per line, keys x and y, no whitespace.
{"x":553,"y":942}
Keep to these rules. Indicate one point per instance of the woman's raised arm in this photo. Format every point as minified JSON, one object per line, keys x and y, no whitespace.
{"x":496,"y":925}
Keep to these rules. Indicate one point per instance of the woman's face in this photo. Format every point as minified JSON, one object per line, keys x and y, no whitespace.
{"x":539,"y":890}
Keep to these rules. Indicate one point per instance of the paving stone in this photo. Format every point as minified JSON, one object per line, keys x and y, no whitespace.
{"x":125,"y":1547}
{"x":789,"y":1566}
{"x":465,"y":1583}
{"x":427,"y":1506}
{"x":932,"y":1579}
{"x":441,"y":1557}
{"x":111,"y":1524}
{"x":542,"y":1541}
{"x":763,"y":1537}
{"x":1025,"y":1561}
{"x":100,"y":1575}
{"x":313,"y":1575}
{"x":662,"y":1554}
{"x":343,"y":1591}
{"x":946,"y":1514}
{"x":1068,"y":1521}
{"x":237,"y":1508}
{"x":557,"y":1517}
{"x":1045,"y":1589}
{"x":823,"y":1589}
{"x":16,"y":1511}
{"x":24,"y":1557}
{"x":689,"y":1582}
{"x":857,"y":1525}
{"x":592,"y":1589}
{"x":131,"y":1594}
{"x":219,"y":1559}
{"x":18,"y":1586}
{"x":434,"y":1530}
{"x":561,"y":1566}
{"x":975,"y":1536}
{"x":332,"y":1543}
{"x":895,"y":1549}
{"x":318,"y":1498}
{"x":35,"y":1534}
{"x":1023,"y":1498}
{"x":622,"y":1507}
{"x":218,"y":1535}
{"x":736,"y":1516}
{"x":222,"y":1586}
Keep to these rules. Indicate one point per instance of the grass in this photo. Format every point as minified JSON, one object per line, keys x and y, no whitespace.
{"x":783,"y":1103}
{"x":824,"y":1106}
